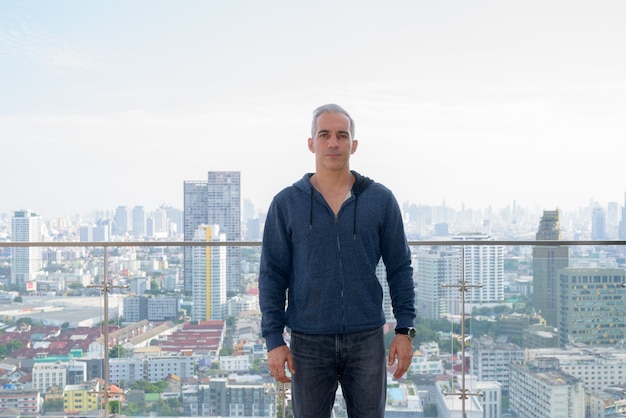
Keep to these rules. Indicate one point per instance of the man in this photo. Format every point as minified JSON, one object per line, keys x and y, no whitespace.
{"x":323,"y":238}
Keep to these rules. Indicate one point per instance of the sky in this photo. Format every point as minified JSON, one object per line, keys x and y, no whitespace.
{"x":473,"y":103}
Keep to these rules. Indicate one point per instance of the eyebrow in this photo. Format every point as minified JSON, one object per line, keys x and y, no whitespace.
{"x":325,"y":131}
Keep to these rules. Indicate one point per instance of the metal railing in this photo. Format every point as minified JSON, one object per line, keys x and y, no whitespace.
{"x":463,"y":393}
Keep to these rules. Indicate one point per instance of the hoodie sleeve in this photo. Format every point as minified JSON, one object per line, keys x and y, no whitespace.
{"x":275,"y":267}
{"x":397,"y":258}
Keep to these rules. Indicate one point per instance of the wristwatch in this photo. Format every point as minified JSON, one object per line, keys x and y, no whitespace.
{"x":409,"y":332}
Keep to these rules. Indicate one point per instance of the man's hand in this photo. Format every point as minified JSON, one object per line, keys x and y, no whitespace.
{"x":401,"y":348}
{"x":276,"y":359}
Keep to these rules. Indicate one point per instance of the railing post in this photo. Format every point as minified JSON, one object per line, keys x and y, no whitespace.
{"x":463,"y":287}
{"x":105,"y":287}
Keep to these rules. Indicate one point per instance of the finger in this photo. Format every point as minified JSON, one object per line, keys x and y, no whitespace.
{"x":392,"y":355}
{"x":290,"y":365}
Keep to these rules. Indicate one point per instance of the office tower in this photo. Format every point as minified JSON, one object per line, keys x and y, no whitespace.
{"x":101,"y":233}
{"x":612,"y":219}
{"x":248,"y":210}
{"x":483,"y":265}
{"x":121,"y":221}
{"x":85,"y":233}
{"x":591,"y":309}
{"x":139,"y":221}
{"x":598,"y":224}
{"x":216,"y":201}
{"x":622,"y":222}
{"x":150,"y":226}
{"x":253,"y":229}
{"x":175,"y":218}
{"x":26,"y":262}
{"x":547,"y":260}
{"x":195,"y":213}
{"x":161,"y":224}
{"x":209,"y":275}
{"x":437,"y":266}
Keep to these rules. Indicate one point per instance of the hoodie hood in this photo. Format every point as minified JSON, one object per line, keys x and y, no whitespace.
{"x":360,"y":184}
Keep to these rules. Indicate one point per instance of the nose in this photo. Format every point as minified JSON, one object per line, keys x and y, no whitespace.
{"x":333,"y":141}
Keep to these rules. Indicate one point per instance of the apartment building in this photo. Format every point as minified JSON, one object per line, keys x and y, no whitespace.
{"x":426,"y":360}
{"x":159,"y":368}
{"x":541,"y":390}
{"x":155,"y":309}
{"x":46,"y":375}
{"x":597,"y":368}
{"x":28,"y":402}
{"x":223,"y":398}
{"x":81,"y":398}
{"x":607,"y":402}
{"x":490,"y":360}
{"x":128,"y":370}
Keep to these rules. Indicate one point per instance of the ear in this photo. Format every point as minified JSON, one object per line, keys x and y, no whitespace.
{"x":355,"y":144}
{"x":310,"y":144}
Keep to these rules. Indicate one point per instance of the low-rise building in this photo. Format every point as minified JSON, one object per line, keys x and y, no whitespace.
{"x":27,"y":402}
{"x":81,"y":398}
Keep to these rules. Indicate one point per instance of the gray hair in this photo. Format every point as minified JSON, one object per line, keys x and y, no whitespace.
{"x":331,"y":108}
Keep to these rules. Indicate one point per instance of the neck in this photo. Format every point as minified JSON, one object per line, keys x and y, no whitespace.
{"x":333,"y":177}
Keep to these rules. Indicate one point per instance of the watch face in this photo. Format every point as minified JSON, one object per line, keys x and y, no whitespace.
{"x":412,"y":333}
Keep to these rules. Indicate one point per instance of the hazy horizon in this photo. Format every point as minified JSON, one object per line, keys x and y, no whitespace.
{"x":479,"y":103}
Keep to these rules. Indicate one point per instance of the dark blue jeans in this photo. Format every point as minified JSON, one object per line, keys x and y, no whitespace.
{"x":356,"y":361}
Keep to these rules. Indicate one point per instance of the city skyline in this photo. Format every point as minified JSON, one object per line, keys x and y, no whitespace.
{"x":478,"y":105}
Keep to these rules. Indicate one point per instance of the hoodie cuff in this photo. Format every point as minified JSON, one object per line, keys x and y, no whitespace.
{"x":274,"y":340}
{"x":405,"y":322}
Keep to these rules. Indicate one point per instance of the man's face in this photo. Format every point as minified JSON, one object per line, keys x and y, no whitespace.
{"x":332,"y":144}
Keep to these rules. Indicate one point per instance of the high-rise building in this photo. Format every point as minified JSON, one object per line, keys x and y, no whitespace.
{"x":438,"y":266}
{"x":224,"y":200}
{"x":591,"y":308}
{"x":26,"y":262}
{"x":139,"y":221}
{"x":121,"y":221}
{"x":612,"y":219}
{"x":216,"y":201}
{"x":598,"y":224}
{"x":547,"y":260}
{"x":195,"y":213}
{"x":622,"y":222}
{"x":209,"y":275}
{"x":161,"y":223}
{"x":483,"y":270}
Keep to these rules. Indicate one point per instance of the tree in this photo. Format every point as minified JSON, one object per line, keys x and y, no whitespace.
{"x":117,"y":352}
{"x":28,"y":321}
{"x":53,"y":405}
{"x":115,"y":407}
{"x":14,"y":345}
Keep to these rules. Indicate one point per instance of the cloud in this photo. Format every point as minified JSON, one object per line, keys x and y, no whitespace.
{"x":22,"y":42}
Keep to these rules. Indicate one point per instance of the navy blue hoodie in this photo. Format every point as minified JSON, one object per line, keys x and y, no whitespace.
{"x":325,"y":266}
